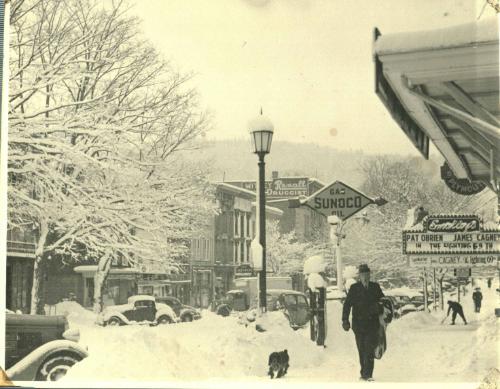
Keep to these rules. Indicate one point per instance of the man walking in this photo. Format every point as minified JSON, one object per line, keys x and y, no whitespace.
{"x":363,"y":297}
{"x":457,"y":309}
{"x":477,"y":296}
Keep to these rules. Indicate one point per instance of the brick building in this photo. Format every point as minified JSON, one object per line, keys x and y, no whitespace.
{"x":306,"y":222}
{"x":223,"y":252}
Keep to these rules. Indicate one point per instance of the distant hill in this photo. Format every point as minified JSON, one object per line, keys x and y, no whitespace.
{"x":233,"y":160}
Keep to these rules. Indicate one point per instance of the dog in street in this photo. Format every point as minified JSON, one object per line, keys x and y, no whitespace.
{"x":278,"y":363}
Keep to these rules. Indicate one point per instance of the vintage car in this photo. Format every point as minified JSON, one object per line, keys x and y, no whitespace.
{"x":293,"y":304}
{"x":183,"y":312}
{"x":40,"y":348}
{"x":140,"y":309}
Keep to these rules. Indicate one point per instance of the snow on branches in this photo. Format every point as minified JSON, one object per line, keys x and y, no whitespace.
{"x":96,"y":122}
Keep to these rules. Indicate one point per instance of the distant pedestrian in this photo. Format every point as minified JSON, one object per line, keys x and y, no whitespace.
{"x":457,"y":309}
{"x":363,"y":297}
{"x":477,"y":296}
{"x":489,"y":283}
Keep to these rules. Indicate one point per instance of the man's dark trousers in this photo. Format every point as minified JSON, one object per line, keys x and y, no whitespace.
{"x":366,"y":340}
{"x":454,"y":315}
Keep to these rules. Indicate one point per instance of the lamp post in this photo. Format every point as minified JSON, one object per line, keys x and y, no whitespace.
{"x":261,"y":132}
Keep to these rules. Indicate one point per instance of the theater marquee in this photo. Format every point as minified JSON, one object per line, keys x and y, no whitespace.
{"x":452,"y":241}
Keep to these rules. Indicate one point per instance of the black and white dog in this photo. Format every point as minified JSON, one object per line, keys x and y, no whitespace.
{"x":278,"y":363}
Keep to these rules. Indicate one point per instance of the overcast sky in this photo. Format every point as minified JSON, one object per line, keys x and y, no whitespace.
{"x":308,"y":63}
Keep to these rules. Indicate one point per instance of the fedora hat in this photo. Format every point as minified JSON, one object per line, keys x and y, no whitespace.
{"x":363,"y":268}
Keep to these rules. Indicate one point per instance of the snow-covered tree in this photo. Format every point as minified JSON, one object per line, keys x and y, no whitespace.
{"x":405,"y":183}
{"x":284,"y":253}
{"x":97,"y":119}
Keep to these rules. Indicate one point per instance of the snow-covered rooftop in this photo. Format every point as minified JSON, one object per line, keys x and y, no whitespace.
{"x":456,"y":36}
{"x":235,"y":188}
{"x":274,"y":210}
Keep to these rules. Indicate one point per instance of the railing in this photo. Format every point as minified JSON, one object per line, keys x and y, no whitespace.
{"x":20,"y":247}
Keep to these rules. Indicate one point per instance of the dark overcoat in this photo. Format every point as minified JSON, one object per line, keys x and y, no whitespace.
{"x":365,"y":307}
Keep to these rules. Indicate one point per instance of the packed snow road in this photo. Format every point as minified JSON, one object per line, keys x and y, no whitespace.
{"x":420,"y":349}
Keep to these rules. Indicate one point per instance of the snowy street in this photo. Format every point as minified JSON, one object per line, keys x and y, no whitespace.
{"x":220,"y":348}
{"x":195,"y":189}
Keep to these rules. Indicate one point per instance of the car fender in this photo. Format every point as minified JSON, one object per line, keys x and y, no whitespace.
{"x":189,"y":311}
{"x":117,"y":314}
{"x":26,"y":368}
{"x":163,"y":309}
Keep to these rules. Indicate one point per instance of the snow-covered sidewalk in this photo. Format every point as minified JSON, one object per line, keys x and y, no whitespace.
{"x":420,"y":349}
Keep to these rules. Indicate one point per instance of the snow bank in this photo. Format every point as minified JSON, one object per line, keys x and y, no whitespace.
{"x":212,"y":347}
{"x":74,"y":312}
{"x":456,"y":36}
{"x":420,"y":348}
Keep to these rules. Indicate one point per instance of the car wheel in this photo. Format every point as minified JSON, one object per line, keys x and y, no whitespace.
{"x":114,"y":321}
{"x":224,"y":311}
{"x":56,"y":367}
{"x":164,"y":320}
{"x":187,"y":318}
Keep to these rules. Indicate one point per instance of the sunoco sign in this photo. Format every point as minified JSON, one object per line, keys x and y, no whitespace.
{"x":339,"y":200}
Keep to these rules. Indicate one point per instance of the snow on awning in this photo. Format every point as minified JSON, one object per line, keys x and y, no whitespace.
{"x":443,"y":86}
{"x":457,"y":36}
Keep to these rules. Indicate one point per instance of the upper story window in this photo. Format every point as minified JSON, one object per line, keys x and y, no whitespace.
{"x":236,"y":223}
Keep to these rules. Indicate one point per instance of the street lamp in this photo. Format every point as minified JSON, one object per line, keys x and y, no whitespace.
{"x":261,"y":131}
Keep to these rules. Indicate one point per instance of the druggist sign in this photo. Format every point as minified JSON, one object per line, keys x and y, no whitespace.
{"x":452,"y":241}
{"x":279,"y":188}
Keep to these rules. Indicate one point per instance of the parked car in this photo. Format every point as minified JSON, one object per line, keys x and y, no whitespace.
{"x":398,"y":300}
{"x":395,"y":305}
{"x":183,"y":312}
{"x":408,"y":308}
{"x":141,"y":309}
{"x":418,"y":301}
{"x":293,"y":304}
{"x":40,"y":348}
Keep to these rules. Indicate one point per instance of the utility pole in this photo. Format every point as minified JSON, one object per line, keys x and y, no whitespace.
{"x":434,"y":288}
{"x":336,"y":236}
{"x":425,"y":290}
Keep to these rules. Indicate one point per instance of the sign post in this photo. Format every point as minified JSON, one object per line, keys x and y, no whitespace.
{"x":434,"y":287}
{"x":336,"y":226}
{"x":338,"y":202}
{"x":426,"y":302}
